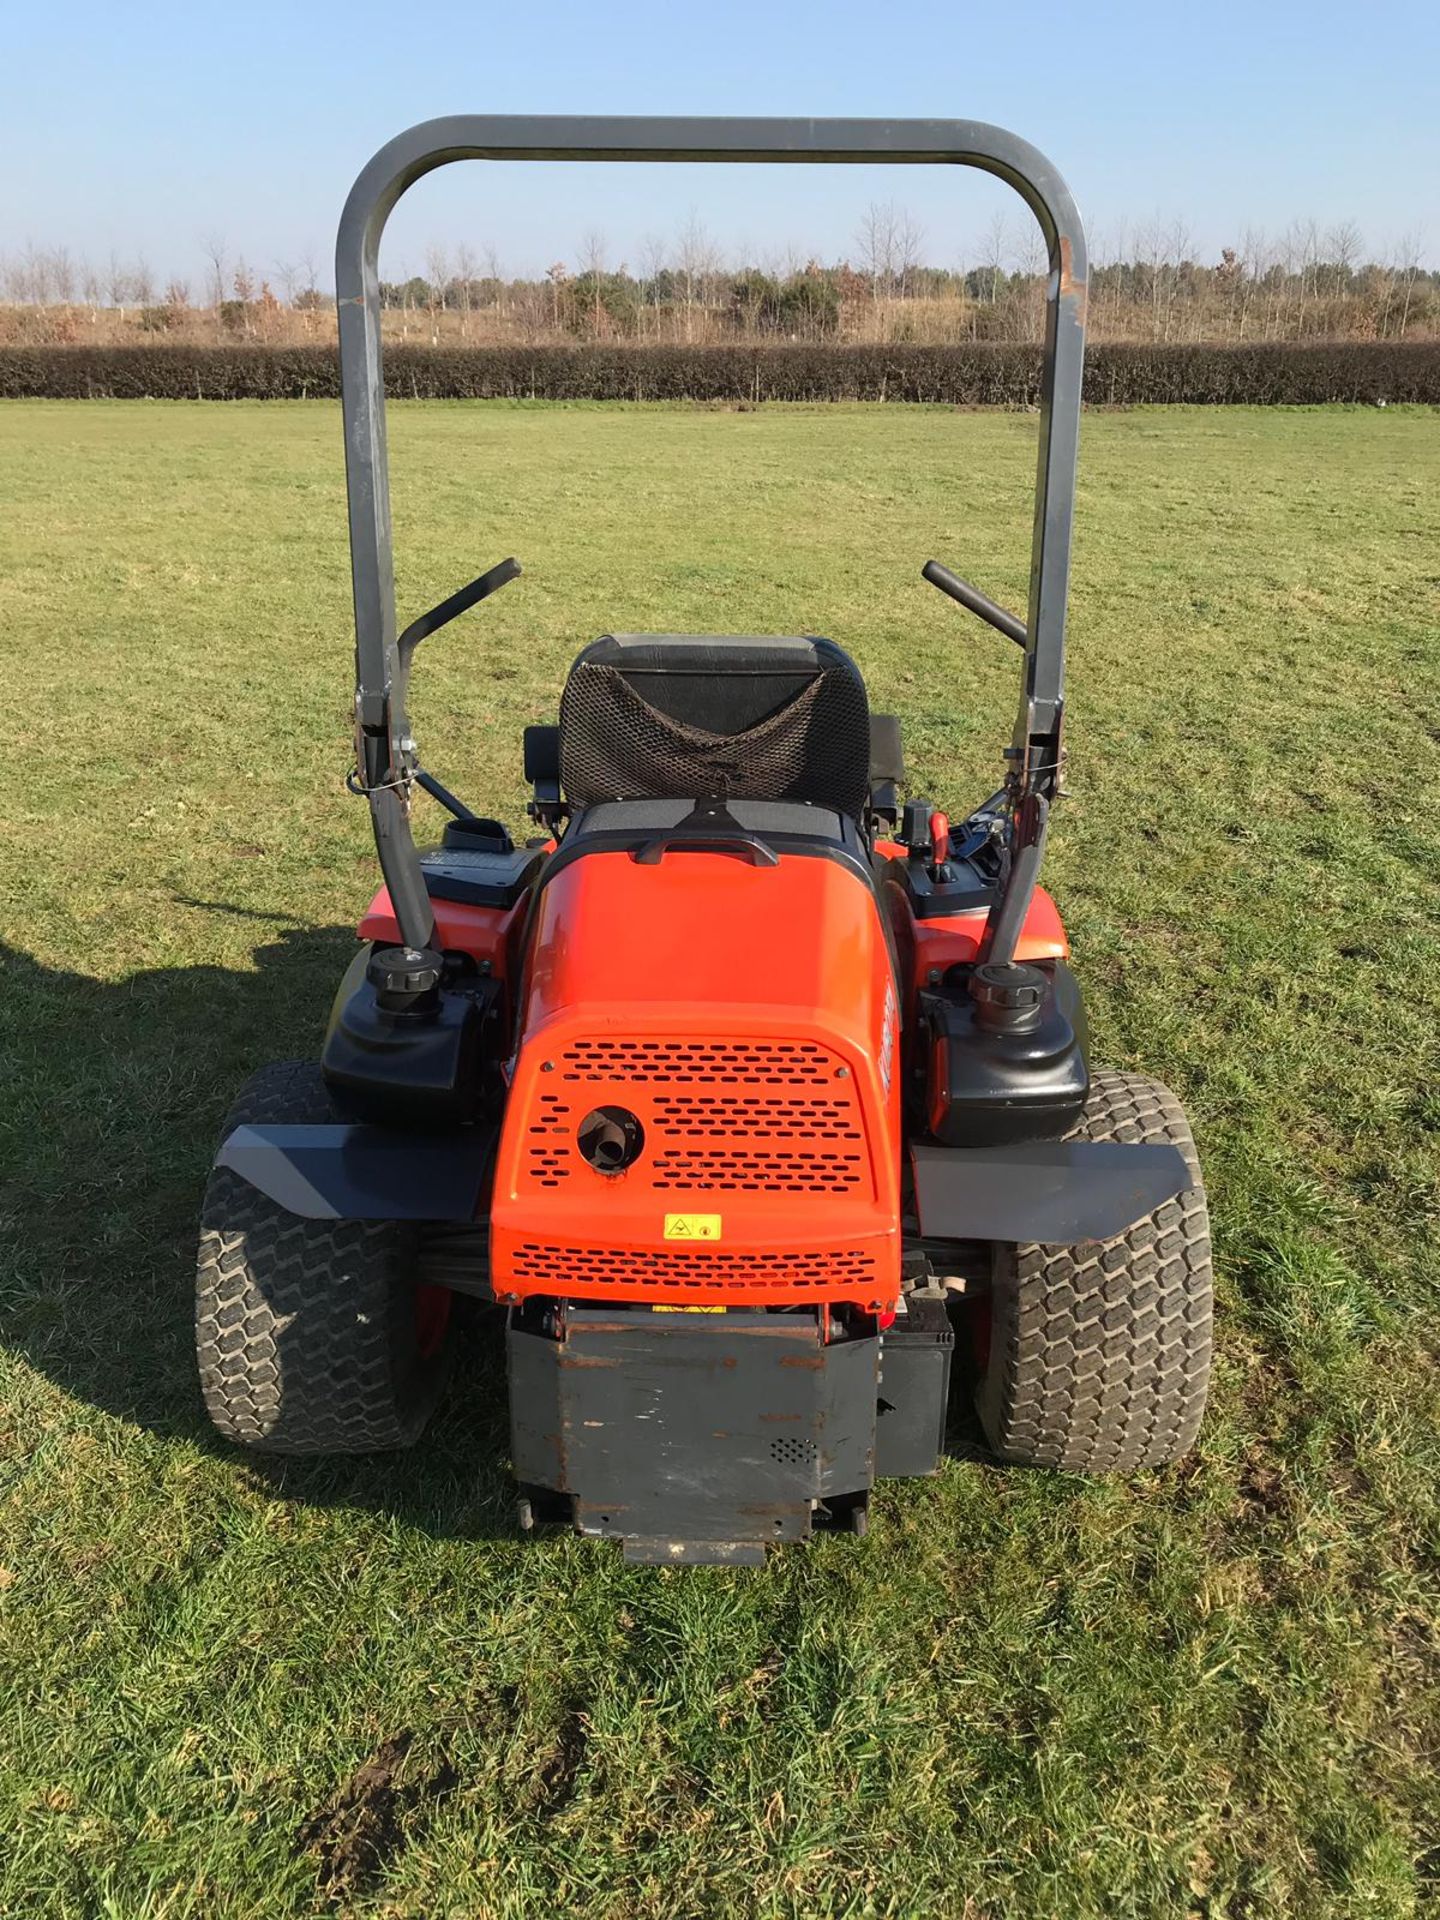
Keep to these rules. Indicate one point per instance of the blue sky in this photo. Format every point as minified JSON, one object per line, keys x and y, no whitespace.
{"x":144,"y":128}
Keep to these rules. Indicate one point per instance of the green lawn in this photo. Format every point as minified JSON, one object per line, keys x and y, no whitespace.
{"x":227,"y":1689}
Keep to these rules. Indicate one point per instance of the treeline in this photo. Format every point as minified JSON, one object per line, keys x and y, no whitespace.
{"x":1148,"y":285}
{"x":995,"y":374}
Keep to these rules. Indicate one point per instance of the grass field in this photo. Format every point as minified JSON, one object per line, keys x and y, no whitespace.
{"x":234,"y":1690}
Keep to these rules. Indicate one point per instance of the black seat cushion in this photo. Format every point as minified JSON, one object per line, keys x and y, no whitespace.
{"x":679,"y":716}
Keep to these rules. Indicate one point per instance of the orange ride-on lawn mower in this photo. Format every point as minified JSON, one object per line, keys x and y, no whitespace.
{"x":742,"y":1087}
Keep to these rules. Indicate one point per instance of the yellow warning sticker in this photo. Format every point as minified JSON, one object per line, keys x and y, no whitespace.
{"x":659,"y":1309}
{"x":692,"y":1226}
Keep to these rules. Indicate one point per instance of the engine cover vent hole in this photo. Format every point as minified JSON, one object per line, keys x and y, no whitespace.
{"x":610,"y":1138}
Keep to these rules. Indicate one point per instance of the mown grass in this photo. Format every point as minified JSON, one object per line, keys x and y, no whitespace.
{"x":1212,"y":1691}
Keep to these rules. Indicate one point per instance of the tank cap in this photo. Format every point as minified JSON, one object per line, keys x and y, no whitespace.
{"x":1007,"y":994}
{"x":404,"y":975}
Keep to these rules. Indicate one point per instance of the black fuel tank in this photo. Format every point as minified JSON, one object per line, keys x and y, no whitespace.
{"x":996,"y":1074}
{"x":436,"y":1068}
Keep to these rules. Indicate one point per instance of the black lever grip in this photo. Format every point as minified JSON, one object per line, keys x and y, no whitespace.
{"x":458,"y":603}
{"x":975,"y":601}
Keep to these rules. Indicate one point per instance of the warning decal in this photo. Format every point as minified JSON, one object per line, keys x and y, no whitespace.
{"x":692,"y":1226}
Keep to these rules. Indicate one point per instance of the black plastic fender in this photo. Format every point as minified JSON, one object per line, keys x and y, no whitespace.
{"x":1056,"y":1192}
{"x":342,"y":1172}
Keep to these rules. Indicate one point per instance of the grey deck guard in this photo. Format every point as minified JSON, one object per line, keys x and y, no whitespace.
{"x":1055,"y":1193}
{"x":340,"y":1172}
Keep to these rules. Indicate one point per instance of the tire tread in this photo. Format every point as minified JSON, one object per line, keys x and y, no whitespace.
{"x":1100,"y":1353}
{"x":296,"y":1320}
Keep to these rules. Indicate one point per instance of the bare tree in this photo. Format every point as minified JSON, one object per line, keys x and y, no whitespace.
{"x":118,"y":284}
{"x":909,"y":243}
{"x":288,"y":275}
{"x":1121,"y":273}
{"x":39,"y":275}
{"x":789,"y":261}
{"x":495,"y":274}
{"x":875,"y":243}
{"x":997,"y":250}
{"x":1300,"y":248}
{"x":529,"y":301}
{"x":1407,"y":263}
{"x":696,"y":258}
{"x":218,"y":255}
{"x":652,"y":265}
{"x":1150,"y":253}
{"x":1106,"y":272}
{"x":243,"y":282}
{"x":557,"y":275}
{"x":593,"y":252}
{"x":1032,"y":261}
{"x":1342,"y":251}
{"x":1254,"y":264}
{"x":1177,"y":258}
{"x":437,"y":278}
{"x":309,"y":269}
{"x":62,"y":275}
{"x":467,"y":269}
{"x":1281,"y":276}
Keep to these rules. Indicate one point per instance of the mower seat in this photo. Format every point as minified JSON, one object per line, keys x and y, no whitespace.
{"x":688,"y":717}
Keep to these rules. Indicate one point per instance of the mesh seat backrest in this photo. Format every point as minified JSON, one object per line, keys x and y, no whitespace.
{"x":684,"y":717}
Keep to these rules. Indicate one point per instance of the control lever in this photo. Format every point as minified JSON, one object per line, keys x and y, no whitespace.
{"x":451,"y":609}
{"x":975,"y":601}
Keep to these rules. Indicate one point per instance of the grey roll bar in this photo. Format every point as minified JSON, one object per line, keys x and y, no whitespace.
{"x":386,"y":756}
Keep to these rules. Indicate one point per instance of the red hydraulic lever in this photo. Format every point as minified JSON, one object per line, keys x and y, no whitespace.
{"x":939,"y":838}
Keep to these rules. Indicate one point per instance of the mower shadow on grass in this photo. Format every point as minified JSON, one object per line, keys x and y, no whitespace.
{"x":115,"y":1092}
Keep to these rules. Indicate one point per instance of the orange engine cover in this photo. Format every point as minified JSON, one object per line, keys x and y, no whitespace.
{"x":748,"y":1017}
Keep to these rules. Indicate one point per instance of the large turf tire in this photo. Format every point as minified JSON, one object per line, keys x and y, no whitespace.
{"x":1098,"y":1355}
{"x":312,"y":1336}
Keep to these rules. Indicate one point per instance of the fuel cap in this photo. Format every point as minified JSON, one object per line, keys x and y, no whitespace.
{"x":1007,"y":995}
{"x":403,"y":975}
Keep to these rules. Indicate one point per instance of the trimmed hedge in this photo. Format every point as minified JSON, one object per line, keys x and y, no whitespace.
{"x":982,"y":375}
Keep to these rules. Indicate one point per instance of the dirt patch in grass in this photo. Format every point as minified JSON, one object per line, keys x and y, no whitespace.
{"x":559,"y":1771}
{"x":367,"y":1820}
